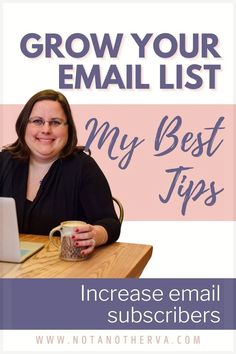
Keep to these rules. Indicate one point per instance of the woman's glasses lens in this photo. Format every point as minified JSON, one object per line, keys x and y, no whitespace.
{"x":53,"y":123}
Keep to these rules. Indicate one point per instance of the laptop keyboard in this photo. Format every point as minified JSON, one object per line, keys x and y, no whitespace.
{"x":23,"y":252}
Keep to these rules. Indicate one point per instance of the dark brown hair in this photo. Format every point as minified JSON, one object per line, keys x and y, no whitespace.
{"x":19,"y":148}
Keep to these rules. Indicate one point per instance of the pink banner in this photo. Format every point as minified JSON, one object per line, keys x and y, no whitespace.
{"x":172,"y":162}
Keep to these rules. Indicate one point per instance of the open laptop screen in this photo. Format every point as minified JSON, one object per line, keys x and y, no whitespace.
{"x":10,"y":245}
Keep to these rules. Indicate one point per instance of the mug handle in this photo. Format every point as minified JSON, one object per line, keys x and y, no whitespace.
{"x":58,"y":228}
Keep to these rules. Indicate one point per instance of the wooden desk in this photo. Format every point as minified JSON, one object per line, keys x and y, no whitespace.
{"x":119,"y":260}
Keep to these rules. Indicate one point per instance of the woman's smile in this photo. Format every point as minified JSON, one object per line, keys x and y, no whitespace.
{"x":45,"y":140}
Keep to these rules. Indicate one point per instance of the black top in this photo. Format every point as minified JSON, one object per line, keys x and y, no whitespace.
{"x":73,"y":189}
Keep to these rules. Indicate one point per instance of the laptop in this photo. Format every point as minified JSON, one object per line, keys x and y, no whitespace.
{"x":11,"y":248}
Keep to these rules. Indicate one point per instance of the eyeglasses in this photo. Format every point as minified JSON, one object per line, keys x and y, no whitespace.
{"x":53,"y":123}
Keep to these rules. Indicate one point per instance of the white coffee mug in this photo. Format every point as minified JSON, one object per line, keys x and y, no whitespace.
{"x":67,"y":250}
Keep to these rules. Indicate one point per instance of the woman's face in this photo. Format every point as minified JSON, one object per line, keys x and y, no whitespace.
{"x":46,"y":141}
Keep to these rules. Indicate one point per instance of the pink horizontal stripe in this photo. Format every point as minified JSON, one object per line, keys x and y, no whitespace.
{"x":139,"y":185}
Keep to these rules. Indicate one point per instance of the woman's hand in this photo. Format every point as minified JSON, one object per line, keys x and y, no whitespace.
{"x":89,"y":236}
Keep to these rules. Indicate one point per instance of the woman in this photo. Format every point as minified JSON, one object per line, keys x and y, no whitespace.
{"x":51,"y":179}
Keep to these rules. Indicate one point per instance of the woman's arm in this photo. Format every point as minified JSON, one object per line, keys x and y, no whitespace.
{"x":97,"y":203}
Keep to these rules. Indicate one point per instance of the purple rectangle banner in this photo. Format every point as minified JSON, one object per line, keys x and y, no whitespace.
{"x":117,"y":304}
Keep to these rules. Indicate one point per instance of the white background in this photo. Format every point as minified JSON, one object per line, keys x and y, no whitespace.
{"x":23,"y":76}
{"x":185,"y":249}
{"x":181,"y":249}
{"x":179,"y":341}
